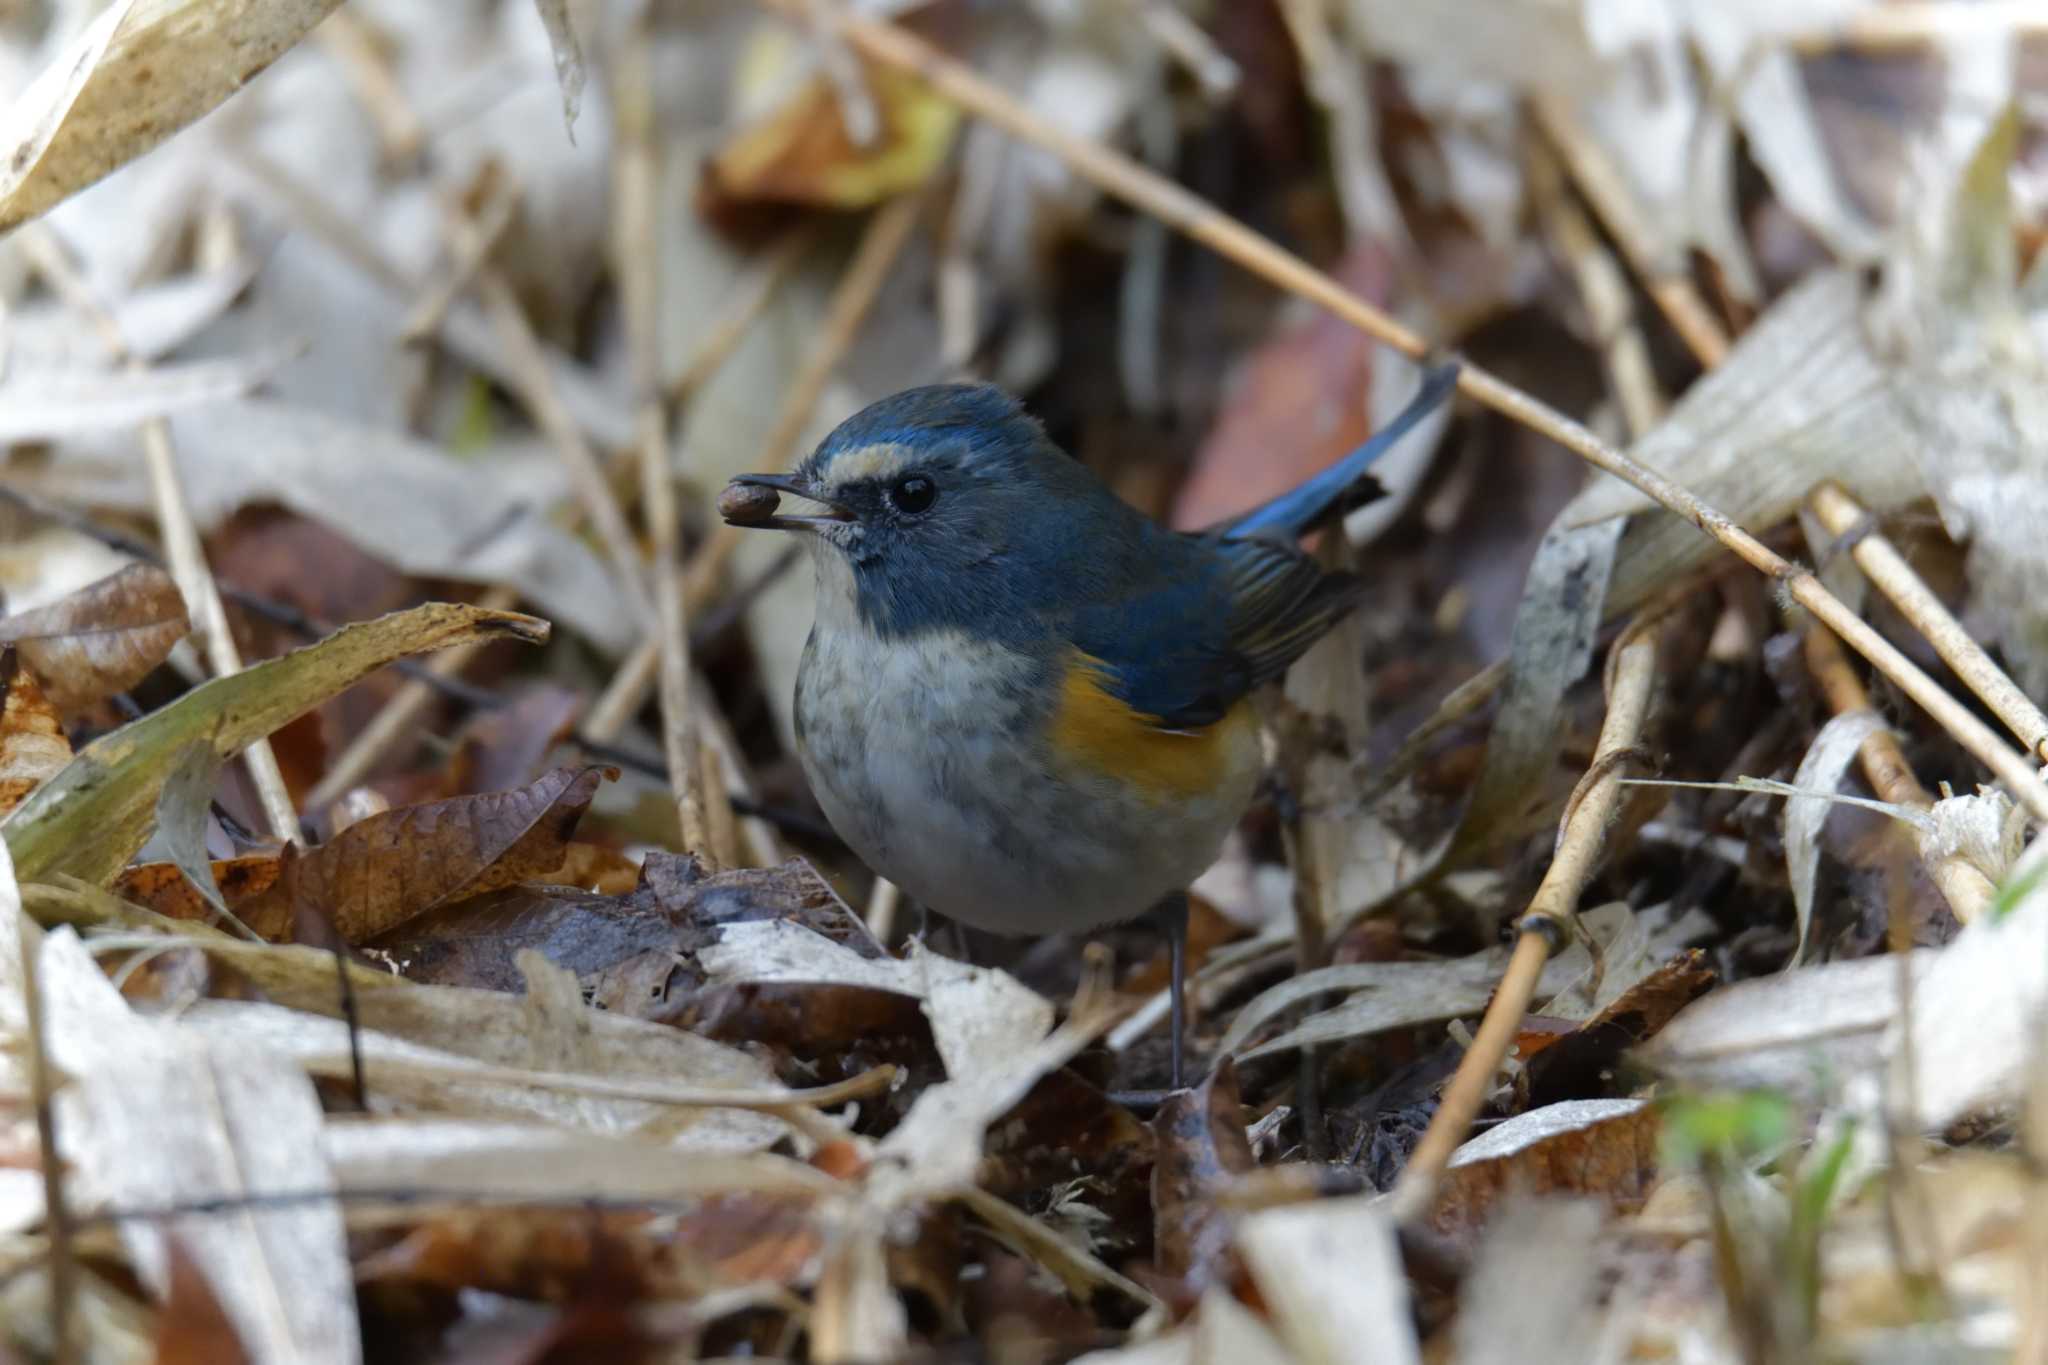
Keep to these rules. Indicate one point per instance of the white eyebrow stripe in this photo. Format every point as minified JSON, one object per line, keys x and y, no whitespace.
{"x":880,"y":462}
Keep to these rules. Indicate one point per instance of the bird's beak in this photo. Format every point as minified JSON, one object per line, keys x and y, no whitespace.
{"x":756,"y":512}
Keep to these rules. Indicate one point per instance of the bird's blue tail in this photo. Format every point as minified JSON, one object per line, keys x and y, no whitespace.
{"x":1295,"y":512}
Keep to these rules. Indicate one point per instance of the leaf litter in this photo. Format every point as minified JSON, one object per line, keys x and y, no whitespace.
{"x":506,"y":1069}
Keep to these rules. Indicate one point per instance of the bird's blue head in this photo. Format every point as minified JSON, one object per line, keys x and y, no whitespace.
{"x":947,"y":507}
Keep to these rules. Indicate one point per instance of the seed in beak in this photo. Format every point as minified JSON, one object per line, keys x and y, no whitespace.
{"x":747,"y":504}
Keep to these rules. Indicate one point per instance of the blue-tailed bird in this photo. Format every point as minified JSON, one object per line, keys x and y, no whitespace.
{"x":1024,"y":701}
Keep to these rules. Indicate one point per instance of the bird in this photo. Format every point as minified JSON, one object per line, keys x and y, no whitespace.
{"x":1023,"y":700}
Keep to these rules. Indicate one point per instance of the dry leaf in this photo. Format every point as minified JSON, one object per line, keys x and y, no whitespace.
{"x":1606,"y":1148}
{"x":33,"y":748}
{"x":157,"y":1116}
{"x":138,"y":74}
{"x":169,"y":890}
{"x":802,"y":153}
{"x":385,"y":869}
{"x":94,"y":815}
{"x":102,"y":639}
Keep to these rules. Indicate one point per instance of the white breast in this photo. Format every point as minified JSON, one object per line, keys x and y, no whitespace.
{"x":928,"y":757}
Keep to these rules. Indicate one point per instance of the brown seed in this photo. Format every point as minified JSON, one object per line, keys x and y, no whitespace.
{"x":747,"y":504}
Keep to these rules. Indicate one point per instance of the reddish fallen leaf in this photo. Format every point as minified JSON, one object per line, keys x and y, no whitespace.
{"x":1202,"y":1151}
{"x":103,"y":638}
{"x":390,"y":868}
{"x":33,"y":748}
{"x":1603,"y":1148}
{"x":535,"y":1253}
{"x":1300,"y":405}
{"x":163,"y":888}
{"x":1581,"y":1063}
{"x":192,"y":1328}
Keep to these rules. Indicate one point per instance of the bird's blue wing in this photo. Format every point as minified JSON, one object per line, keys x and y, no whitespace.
{"x":1186,"y":648}
{"x":1288,"y":517}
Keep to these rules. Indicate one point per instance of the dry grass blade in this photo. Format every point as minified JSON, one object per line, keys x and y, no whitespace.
{"x":93,"y":817}
{"x":101,"y":639}
{"x":1188,"y":212}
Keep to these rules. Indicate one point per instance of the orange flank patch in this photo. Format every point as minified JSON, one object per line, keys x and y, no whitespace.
{"x":1097,"y":729}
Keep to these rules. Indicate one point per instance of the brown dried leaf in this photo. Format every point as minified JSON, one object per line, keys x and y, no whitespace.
{"x":802,"y":153}
{"x":1302,"y":403}
{"x":1579,"y":1064}
{"x":535,"y":1253}
{"x":162,"y":887}
{"x":133,"y":77}
{"x":1605,"y":1148}
{"x":1202,"y":1150}
{"x":33,"y":748}
{"x":385,"y":870}
{"x":103,"y":638}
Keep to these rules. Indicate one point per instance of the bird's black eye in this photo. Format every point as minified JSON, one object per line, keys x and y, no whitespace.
{"x":913,"y":493}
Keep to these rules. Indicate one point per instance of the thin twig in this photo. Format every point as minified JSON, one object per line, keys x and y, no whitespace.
{"x":1118,"y":175}
{"x":1544,"y":928}
{"x":637,"y":260}
{"x":1884,"y":566}
{"x":182,"y":546}
{"x":1612,"y":198}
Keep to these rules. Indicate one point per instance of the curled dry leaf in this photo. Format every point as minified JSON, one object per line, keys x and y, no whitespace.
{"x":92,"y":817}
{"x":136,"y":75}
{"x":383,"y":870}
{"x":33,"y":748}
{"x":101,"y":639}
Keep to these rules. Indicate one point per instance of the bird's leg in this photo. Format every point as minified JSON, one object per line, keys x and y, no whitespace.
{"x":1172,"y":915}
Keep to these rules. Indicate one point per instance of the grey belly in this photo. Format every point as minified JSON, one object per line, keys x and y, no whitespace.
{"x":926,"y":760}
